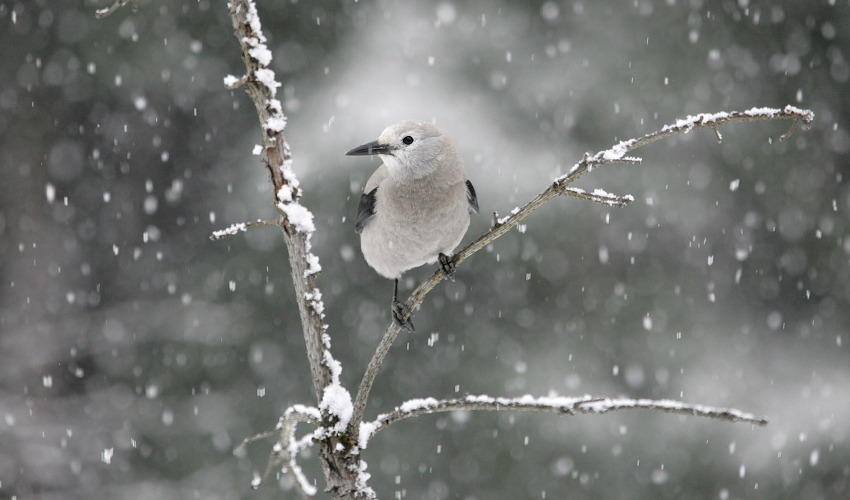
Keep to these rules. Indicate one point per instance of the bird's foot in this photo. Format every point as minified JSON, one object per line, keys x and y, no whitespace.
{"x":447,"y":264}
{"x":401,"y":315}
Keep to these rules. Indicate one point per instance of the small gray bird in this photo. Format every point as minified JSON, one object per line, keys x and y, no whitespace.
{"x":415,"y":208}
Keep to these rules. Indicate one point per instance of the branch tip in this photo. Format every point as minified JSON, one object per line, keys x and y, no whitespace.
{"x":106,"y":12}
{"x":787,"y":135}
{"x":240,"y":227}
{"x":240,"y":449}
{"x":234,"y":82}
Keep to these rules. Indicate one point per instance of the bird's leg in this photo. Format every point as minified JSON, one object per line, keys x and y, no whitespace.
{"x":401,"y":313}
{"x":447,"y":264}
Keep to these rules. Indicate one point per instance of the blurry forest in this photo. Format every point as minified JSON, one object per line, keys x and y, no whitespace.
{"x":135,"y":354}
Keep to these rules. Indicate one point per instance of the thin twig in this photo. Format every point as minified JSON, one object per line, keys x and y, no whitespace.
{"x":616,"y":154}
{"x":240,"y":450}
{"x":102,"y":13}
{"x":787,"y":135}
{"x":719,"y":136}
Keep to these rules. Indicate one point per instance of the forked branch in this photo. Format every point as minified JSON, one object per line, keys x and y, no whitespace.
{"x":616,"y":154}
{"x":285,"y":451}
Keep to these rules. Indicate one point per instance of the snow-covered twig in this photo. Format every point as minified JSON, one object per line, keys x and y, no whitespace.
{"x":702,"y":120}
{"x":285,"y":451}
{"x":559,"y":405}
{"x":616,"y":154}
{"x":240,"y":227}
{"x":106,"y":12}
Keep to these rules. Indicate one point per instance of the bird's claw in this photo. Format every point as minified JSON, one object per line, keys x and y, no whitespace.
{"x":401,"y":315}
{"x":447,"y":264}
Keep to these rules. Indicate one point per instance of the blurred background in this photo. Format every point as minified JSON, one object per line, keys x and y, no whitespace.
{"x":135,"y":354}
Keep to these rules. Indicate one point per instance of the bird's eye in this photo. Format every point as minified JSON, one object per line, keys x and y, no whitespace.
{"x":408,"y":140}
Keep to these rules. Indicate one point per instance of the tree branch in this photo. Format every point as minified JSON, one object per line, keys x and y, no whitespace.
{"x":296,"y":221}
{"x":616,"y":154}
{"x":344,"y":472}
{"x":559,"y":405}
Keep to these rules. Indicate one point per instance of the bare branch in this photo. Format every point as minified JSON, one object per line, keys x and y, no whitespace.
{"x":616,"y":154}
{"x":559,"y":405}
{"x":102,"y":13}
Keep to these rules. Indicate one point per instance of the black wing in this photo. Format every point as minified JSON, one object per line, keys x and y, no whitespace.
{"x":366,"y":210}
{"x":471,"y":197}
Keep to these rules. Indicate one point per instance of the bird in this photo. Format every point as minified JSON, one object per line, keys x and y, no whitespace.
{"x":415,"y":208}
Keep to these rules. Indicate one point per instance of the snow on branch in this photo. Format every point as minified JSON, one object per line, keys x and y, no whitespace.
{"x":702,"y":120}
{"x":240,"y":227}
{"x":560,"y":187}
{"x":599,"y":196}
{"x":345,"y":474}
{"x":559,"y":405}
{"x":261,"y":85}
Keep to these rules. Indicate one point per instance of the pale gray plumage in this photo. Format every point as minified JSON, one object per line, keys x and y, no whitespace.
{"x":415,"y":207}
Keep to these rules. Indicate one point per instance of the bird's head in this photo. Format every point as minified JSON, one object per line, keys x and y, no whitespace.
{"x":409,"y":148}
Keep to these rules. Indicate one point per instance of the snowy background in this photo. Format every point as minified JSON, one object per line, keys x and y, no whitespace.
{"x":135,"y":353}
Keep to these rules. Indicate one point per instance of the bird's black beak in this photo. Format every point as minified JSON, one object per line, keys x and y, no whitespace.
{"x":370,"y":148}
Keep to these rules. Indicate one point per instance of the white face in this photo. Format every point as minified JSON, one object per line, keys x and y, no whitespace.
{"x":414,"y":147}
